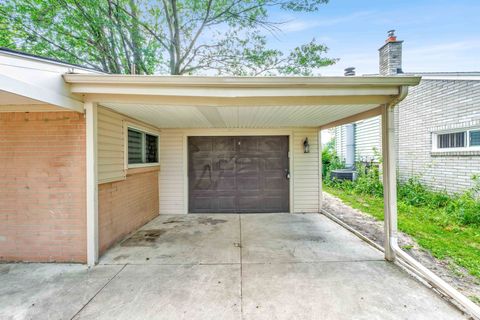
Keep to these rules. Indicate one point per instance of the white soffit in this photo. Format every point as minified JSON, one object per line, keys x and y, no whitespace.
{"x":7,"y":98}
{"x":238,"y":117}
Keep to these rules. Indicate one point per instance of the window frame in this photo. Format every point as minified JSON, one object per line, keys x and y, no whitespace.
{"x":467,"y":147}
{"x":143,"y":131}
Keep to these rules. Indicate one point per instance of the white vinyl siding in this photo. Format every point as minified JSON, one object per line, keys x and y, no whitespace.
{"x":172,"y":172}
{"x":305,"y":171}
{"x":111,"y":144}
{"x":341,"y":142}
{"x":173,"y":162}
{"x":367,"y":139}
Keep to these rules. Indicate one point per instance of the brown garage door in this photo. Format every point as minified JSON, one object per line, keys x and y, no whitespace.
{"x":238,"y":174}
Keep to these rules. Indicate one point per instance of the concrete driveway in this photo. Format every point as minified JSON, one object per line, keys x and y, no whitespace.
{"x":268,"y":266}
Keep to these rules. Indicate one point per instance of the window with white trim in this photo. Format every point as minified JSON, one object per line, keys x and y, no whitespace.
{"x":142,"y":147}
{"x":460,"y":140}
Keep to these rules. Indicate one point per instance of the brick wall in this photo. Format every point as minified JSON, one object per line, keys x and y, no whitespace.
{"x":126,"y":205}
{"x":432,"y":106}
{"x":437,"y":105}
{"x":42,"y":187}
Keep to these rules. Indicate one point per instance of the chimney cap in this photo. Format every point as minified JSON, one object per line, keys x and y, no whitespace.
{"x":391,"y":36}
{"x":350,"y":71}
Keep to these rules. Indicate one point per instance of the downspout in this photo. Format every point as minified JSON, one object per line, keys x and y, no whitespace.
{"x":417,"y":267}
{"x":350,"y":142}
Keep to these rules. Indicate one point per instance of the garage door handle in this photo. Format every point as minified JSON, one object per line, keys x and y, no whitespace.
{"x":287,"y":174}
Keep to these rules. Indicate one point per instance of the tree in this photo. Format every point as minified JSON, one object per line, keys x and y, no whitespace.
{"x":166,"y":36}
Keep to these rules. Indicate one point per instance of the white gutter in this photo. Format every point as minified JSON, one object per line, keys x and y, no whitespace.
{"x":392,"y":248}
{"x":436,"y":281}
{"x":408,"y":262}
{"x":244,"y":82}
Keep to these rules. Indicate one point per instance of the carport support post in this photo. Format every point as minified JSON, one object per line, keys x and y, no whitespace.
{"x":92,"y":183}
{"x":389,"y":181}
{"x":320,"y":170}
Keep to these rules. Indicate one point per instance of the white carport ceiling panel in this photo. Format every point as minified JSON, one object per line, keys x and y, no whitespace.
{"x":164,"y":116}
{"x":287,"y":116}
{"x":238,"y":117}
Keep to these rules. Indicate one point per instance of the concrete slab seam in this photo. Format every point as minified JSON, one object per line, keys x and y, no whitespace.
{"x":103,"y":287}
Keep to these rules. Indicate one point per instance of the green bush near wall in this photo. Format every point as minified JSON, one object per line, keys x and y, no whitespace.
{"x":446,"y":225}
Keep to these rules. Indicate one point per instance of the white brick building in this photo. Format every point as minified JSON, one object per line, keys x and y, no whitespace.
{"x":438,"y":129}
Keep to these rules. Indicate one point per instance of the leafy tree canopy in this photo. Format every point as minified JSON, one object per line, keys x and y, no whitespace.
{"x":160,"y":36}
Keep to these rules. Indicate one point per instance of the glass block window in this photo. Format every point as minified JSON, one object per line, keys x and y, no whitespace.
{"x":475,"y":138}
{"x":451,"y":140}
{"x":142,"y":147}
{"x":135,"y":146}
{"x":461,"y":140}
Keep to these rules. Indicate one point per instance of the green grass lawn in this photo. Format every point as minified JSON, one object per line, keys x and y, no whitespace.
{"x":429,"y":227}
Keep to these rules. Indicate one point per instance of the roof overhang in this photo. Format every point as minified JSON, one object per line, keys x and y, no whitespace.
{"x":29,"y":94}
{"x":321,"y":100}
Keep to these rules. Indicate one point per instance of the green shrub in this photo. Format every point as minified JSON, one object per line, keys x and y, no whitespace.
{"x":330,"y":160}
{"x":368,"y":180}
{"x":466,"y":207}
{"x":414,"y":193}
{"x":459,"y":209}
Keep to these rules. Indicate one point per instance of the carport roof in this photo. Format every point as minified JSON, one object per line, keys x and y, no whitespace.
{"x":238,"y":102}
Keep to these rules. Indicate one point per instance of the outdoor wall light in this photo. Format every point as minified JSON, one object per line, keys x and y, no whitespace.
{"x":306,"y":146}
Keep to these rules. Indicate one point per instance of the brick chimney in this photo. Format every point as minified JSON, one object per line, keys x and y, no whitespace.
{"x":391,"y":56}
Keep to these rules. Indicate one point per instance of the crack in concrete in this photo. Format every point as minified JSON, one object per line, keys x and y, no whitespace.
{"x":100,"y":290}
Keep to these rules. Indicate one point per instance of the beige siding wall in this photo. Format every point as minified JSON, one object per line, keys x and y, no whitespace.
{"x":111,"y":144}
{"x":111,"y":150}
{"x":368,"y":139}
{"x":173,"y":164}
{"x":172,"y":172}
{"x":305,"y":171}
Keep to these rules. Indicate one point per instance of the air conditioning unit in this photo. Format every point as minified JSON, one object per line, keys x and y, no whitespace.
{"x":343,"y":174}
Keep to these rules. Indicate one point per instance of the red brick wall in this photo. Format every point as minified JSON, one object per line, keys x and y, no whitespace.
{"x":42,"y":187}
{"x":124,"y":206}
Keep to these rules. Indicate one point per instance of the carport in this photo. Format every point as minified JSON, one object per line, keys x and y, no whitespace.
{"x":243,"y":106}
{"x":225,"y":106}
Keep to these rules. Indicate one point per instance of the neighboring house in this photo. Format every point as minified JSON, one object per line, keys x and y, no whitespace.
{"x":87,"y":158}
{"x":438,"y":127}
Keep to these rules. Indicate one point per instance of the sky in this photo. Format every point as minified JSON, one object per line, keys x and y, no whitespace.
{"x":438,"y":35}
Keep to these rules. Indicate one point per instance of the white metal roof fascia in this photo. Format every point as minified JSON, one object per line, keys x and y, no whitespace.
{"x":203,"y":81}
{"x":37,"y":93}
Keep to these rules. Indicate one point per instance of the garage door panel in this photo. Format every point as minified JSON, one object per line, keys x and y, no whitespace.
{"x":247,"y":165}
{"x":201,"y":164}
{"x":238,"y":174}
{"x":224,"y":163}
{"x":222,"y":144}
{"x":249,"y":203}
{"x":204,"y":184}
{"x":271,"y":144}
{"x":273,"y":183}
{"x":201,"y":144}
{"x":247,"y":144}
{"x":274,"y":163}
{"x":274,"y":204}
{"x":226,"y":183}
{"x":248,"y":184}
{"x":224,"y":204}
